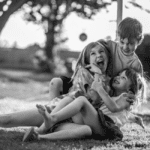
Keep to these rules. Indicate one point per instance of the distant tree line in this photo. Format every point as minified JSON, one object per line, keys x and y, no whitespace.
{"x":50,"y":14}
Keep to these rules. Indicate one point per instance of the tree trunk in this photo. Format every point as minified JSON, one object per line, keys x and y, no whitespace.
{"x":15,"y":5}
{"x":50,"y":41}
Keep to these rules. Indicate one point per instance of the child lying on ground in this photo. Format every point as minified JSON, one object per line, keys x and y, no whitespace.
{"x":104,"y":122}
{"x":94,"y":60}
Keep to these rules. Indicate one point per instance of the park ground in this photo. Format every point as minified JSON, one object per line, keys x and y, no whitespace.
{"x":20,"y":90}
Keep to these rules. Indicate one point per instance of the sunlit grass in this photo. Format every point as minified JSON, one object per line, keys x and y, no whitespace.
{"x":30,"y":94}
{"x":9,"y":105}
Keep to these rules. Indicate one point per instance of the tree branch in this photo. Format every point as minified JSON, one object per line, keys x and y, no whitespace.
{"x":15,"y":5}
{"x":2,"y":4}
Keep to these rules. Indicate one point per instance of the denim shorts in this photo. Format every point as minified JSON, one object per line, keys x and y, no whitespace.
{"x":55,"y":126}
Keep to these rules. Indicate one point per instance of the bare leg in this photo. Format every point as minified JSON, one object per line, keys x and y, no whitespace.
{"x":44,"y":112}
{"x":65,"y":101}
{"x":68,"y":131}
{"x":55,"y":88}
{"x":82,"y":105}
{"x":30,"y":117}
{"x":23,"y":118}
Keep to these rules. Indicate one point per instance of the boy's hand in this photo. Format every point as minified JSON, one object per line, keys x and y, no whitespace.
{"x":130,"y":97}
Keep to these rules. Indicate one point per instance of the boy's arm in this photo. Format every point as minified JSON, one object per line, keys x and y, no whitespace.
{"x":137,"y":65}
{"x":111,"y":104}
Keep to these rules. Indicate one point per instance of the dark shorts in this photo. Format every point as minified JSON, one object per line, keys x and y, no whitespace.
{"x":67,"y":83}
{"x":55,"y":126}
{"x":111,"y":131}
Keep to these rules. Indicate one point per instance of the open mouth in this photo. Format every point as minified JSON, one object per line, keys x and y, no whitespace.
{"x":127,"y":50}
{"x":116,"y":81}
{"x":100,"y":63}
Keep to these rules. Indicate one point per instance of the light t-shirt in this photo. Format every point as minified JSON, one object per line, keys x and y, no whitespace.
{"x":120,"y":60}
{"x":120,"y":118}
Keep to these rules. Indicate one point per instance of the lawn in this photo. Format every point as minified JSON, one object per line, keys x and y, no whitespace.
{"x":134,"y":138}
{"x":19,"y":95}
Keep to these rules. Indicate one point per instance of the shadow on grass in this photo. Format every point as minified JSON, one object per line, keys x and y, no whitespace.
{"x":11,"y":139}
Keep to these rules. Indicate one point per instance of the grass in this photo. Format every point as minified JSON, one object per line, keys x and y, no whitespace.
{"x":16,"y":96}
{"x":135,"y":138}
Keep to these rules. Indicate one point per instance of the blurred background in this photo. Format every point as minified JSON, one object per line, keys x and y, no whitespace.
{"x":40,"y":39}
{"x":48,"y":35}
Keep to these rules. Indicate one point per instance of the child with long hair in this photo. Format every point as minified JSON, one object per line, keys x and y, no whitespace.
{"x":94,"y":60}
{"x":82,"y":77}
{"x":130,"y":35}
{"x":123,"y":56}
{"x":104,"y":122}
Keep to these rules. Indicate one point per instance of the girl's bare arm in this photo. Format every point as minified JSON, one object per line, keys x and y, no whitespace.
{"x":113,"y":106}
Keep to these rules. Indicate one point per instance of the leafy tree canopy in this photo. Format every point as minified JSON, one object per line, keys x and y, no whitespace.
{"x":51,"y":13}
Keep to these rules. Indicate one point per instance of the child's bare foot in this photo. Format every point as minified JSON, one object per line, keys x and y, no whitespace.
{"x":49,"y":109}
{"x":45,"y":114}
{"x":41,"y":109}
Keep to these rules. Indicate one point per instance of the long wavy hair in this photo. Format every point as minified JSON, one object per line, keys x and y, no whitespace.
{"x":84,"y":58}
{"x":138,"y":86}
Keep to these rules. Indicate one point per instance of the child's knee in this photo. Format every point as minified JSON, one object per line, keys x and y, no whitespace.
{"x":87,"y":130}
{"x":82,"y":100}
{"x":56,"y":83}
